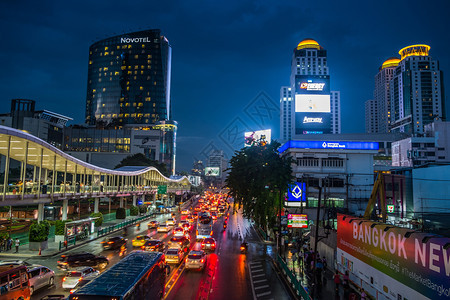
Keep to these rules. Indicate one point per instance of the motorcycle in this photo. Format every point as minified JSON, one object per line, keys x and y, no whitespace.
{"x":138,"y":225}
{"x":244,"y":248}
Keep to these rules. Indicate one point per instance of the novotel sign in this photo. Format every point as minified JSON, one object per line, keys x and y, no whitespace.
{"x":134,"y":40}
{"x":329,"y":145}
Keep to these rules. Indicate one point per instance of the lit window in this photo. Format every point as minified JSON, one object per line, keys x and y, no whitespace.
{"x":128,"y":88}
{"x":142,"y":66}
{"x":104,"y":89}
{"x":129,"y":46}
{"x":133,"y":115}
{"x":140,"y":104}
{"x":123,"y":67}
{"x":149,"y":56}
{"x":105,"y":69}
{"x":106,"y":53}
{"x":90,"y":62}
{"x":143,"y":45}
{"x":116,"y":73}
{"x":136,"y":56}
{"x":148,"y":99}
{"x":118,"y":47}
{"x":141,"y":88}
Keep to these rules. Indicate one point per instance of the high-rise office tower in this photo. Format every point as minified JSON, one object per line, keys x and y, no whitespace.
{"x":417,"y":91}
{"x":382,"y":97}
{"x":371,"y":116}
{"x":308,"y":106}
{"x":129,"y":79}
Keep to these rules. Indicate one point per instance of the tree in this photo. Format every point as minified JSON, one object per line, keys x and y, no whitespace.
{"x":140,"y":159}
{"x":258,"y":178}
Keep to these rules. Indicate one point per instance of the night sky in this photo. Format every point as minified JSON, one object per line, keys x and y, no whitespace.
{"x":229,"y":58}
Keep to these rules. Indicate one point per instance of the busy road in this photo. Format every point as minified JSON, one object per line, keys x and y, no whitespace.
{"x":223,"y":271}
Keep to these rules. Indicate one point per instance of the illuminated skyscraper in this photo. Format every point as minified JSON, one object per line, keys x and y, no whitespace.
{"x":129,"y":80}
{"x":308,"y":106}
{"x":417,"y":92}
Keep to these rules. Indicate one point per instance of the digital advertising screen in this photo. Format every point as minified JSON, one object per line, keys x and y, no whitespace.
{"x":258,"y":137}
{"x":309,"y":123}
{"x":297,"y":221}
{"x":312,"y":103}
{"x":310,"y":84}
{"x":212,"y":171}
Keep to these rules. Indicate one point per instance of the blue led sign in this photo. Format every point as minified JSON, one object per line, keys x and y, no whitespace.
{"x":296,"y":192}
{"x":329,"y":145}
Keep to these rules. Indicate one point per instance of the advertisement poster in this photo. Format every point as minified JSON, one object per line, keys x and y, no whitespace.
{"x":212,"y":171}
{"x":297,"y":221}
{"x":312,"y":103}
{"x":398,"y":262}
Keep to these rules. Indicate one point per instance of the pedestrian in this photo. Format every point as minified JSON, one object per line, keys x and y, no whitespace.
{"x":9,"y":244}
{"x":337,"y":281}
{"x":324,"y":261}
{"x":17,"y":245}
{"x":363,"y":294}
{"x":345,"y":279}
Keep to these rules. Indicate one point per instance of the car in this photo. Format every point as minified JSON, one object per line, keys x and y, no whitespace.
{"x":163,"y":228}
{"x":82,"y":282}
{"x":209,"y":244}
{"x":82,"y":259}
{"x":179,"y":242}
{"x":73,"y":277}
{"x":185,"y":212}
{"x":174,"y":256}
{"x":154,"y":245}
{"x":214,"y":215}
{"x":153,"y":224}
{"x":190,"y":219}
{"x":39,"y":277}
{"x":170,"y":222}
{"x":115,"y":242}
{"x":140,"y":240}
{"x":195,"y":260}
{"x":15,"y":262}
{"x":179,"y":231}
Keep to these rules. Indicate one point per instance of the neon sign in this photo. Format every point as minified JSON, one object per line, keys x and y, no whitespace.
{"x":329,"y":145}
{"x":312,"y":120}
{"x":310,"y":86}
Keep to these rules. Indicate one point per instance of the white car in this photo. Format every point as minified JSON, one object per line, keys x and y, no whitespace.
{"x":40,"y":276}
{"x":73,"y":277}
{"x":170,"y":222}
{"x":163,"y":228}
{"x":196,"y":260}
{"x":174,"y":256}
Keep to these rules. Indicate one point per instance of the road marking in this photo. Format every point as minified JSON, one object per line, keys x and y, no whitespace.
{"x":259,"y":281}
{"x":257,"y":271}
{"x":262,"y":287}
{"x":259,"y":275}
{"x":264,"y":294}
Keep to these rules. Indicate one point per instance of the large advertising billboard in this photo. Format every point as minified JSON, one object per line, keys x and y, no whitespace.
{"x":399,"y":263}
{"x":312,"y":103}
{"x":312,"y":123}
{"x":212,"y":171}
{"x":258,"y":137}
{"x":312,"y":84}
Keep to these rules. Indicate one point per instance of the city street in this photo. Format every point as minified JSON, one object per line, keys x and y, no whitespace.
{"x":228,"y":273}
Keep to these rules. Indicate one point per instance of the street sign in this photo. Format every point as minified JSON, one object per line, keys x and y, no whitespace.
{"x":162,"y":189}
{"x":390,"y":209}
{"x":297,"y":221}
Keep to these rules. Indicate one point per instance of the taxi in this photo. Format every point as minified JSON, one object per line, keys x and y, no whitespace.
{"x":140,"y":240}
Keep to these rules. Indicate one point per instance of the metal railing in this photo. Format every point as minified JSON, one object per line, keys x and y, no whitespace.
{"x":112,"y":228}
{"x":292,"y":278}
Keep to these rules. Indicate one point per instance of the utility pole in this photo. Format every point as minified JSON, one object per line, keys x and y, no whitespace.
{"x":316,"y":237}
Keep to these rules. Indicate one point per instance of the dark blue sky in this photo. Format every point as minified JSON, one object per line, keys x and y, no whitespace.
{"x":224,"y":55}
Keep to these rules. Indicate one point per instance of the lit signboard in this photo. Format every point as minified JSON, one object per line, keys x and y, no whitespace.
{"x":258,"y":137}
{"x":329,"y":145}
{"x":296,"y":192}
{"x":390,"y":208}
{"x":312,"y":122}
{"x":312,"y":84}
{"x":312,"y":103}
{"x":212,"y":171}
{"x":297,"y":221}
{"x":401,"y":265}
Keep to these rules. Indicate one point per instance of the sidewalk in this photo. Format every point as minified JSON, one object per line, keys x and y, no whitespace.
{"x":53,"y":247}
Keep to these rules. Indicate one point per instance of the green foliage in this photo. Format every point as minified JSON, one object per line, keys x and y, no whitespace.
{"x":39,"y":231}
{"x":134,"y":210}
{"x":98,"y":222}
{"x":121,"y":213}
{"x":4,"y":208}
{"x":258,"y":180}
{"x":140,"y":159}
{"x":142,"y":209}
{"x":4,"y":235}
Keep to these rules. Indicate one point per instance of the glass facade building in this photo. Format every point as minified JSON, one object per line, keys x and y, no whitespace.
{"x":129,"y":80}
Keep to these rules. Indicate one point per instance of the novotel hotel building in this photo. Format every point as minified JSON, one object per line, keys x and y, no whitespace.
{"x":129,"y":79}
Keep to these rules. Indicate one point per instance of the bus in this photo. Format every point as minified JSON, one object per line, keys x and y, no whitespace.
{"x":14,"y":282}
{"x":140,"y":275}
{"x":204,"y":226}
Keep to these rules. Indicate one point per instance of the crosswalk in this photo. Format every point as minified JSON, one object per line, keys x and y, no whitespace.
{"x":260,"y":284}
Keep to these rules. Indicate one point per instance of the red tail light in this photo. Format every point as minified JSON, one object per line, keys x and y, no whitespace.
{"x":110,"y":242}
{"x":242,"y":248}
{"x":64,"y":278}
{"x":143,"y":247}
{"x":186,"y":260}
{"x":203,"y":260}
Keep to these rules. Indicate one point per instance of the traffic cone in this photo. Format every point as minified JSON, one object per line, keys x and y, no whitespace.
{"x":39,"y":251}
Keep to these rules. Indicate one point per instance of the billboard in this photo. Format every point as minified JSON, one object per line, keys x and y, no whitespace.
{"x":212,"y":171}
{"x":312,"y":103}
{"x":398,"y":262}
{"x":312,"y":123}
{"x":329,"y":145}
{"x":258,"y":137}
{"x":312,"y":84}
{"x":297,"y":221}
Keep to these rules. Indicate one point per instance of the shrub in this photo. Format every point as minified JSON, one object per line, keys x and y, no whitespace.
{"x":121,"y":213}
{"x":142,"y":209}
{"x":39,"y":231}
{"x":60,"y":226}
{"x":99,"y":221}
{"x":134,"y":210}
